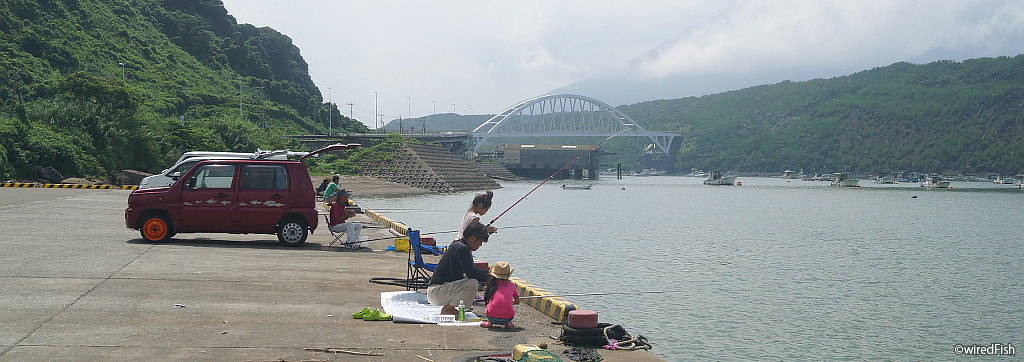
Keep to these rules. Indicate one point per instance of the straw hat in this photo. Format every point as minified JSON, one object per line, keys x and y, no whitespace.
{"x":502,"y":270}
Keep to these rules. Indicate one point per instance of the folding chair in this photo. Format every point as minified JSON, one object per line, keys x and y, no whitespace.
{"x":337,"y":235}
{"x":417,"y":272}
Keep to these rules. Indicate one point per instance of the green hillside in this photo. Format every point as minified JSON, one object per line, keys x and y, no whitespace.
{"x":95,"y":86}
{"x":946,"y":117}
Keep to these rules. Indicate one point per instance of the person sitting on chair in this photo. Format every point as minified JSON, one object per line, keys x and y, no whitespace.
{"x":323,"y":187}
{"x":339,"y":214}
{"x":456,"y":279}
{"x":330,"y":190}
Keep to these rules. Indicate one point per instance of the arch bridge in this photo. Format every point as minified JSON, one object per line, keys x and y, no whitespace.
{"x":569,"y":115}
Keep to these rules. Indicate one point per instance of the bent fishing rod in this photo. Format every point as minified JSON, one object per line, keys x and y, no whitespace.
{"x":556,"y":173}
{"x":606,"y":293}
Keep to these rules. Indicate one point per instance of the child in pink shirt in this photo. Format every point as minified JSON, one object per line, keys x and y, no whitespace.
{"x":500,"y":294}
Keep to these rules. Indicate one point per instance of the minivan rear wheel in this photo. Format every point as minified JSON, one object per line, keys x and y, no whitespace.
{"x":292,"y":232}
{"x":156,"y":228}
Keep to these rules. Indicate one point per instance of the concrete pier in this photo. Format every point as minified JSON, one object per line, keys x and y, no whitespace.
{"x":75,"y":284}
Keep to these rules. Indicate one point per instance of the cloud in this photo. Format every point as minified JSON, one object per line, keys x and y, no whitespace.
{"x":762,"y":36}
{"x":485,"y":56}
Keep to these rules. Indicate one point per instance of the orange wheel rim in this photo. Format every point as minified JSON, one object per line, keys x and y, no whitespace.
{"x":155,"y":229}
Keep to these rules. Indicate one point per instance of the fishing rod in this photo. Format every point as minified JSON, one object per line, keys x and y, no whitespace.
{"x":606,"y":293}
{"x":556,"y":172}
{"x":448,"y":232}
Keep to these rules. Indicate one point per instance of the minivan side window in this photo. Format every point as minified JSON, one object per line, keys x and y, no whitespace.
{"x":212,"y":177}
{"x":264,"y":177}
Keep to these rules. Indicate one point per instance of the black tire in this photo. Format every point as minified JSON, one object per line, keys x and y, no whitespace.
{"x":292,"y":232}
{"x":156,"y":228}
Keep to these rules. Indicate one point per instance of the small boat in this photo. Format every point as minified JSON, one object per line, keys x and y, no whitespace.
{"x":696,"y":173}
{"x":1005,"y":180}
{"x":884,"y":178}
{"x":650,"y":172}
{"x":841,"y":179}
{"x":717,"y":178}
{"x":789,"y":174}
{"x":936,"y":182}
{"x":576,"y":187}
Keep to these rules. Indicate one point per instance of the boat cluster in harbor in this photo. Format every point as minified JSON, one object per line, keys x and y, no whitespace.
{"x":843,"y":179}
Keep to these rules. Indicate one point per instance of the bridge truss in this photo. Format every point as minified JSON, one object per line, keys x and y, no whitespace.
{"x":567,"y":115}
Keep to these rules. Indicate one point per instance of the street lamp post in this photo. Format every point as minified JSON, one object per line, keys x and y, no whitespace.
{"x":375,"y":121}
{"x":413,"y":127}
{"x":330,"y":112}
{"x":122,"y":71}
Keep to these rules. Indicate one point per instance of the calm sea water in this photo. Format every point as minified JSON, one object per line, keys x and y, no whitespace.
{"x":771,"y":270}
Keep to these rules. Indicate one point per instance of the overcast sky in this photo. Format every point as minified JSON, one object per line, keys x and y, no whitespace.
{"x":484,"y":56}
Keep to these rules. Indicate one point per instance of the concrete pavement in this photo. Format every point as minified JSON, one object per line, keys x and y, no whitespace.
{"x":75,"y":284}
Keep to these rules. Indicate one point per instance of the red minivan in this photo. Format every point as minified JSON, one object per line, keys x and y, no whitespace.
{"x":237,"y":196}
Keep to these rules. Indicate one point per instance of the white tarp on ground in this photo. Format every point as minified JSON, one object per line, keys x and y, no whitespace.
{"x":412,"y":307}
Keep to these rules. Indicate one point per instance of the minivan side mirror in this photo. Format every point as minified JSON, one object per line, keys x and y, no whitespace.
{"x":175,"y":175}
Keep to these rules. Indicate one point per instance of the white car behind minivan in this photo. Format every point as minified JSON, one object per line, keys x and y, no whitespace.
{"x":189,"y":159}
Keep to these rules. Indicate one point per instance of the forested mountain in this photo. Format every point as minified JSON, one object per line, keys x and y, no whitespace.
{"x":95,"y":86}
{"x":945,"y":117}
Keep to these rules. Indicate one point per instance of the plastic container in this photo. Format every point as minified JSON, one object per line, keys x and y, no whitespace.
{"x":519,"y":349}
{"x":462,"y":311}
{"x":402,"y":243}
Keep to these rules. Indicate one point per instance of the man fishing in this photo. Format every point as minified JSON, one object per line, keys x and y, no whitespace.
{"x":456,"y":279}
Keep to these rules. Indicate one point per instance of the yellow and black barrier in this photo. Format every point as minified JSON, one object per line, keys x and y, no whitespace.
{"x":554,"y":307}
{"x":67,"y":186}
{"x":384,"y":220}
{"x":19,"y":184}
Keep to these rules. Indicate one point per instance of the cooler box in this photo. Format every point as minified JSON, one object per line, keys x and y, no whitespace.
{"x":519,"y":349}
{"x":481,"y":265}
{"x":427,"y":240}
{"x":402,"y":243}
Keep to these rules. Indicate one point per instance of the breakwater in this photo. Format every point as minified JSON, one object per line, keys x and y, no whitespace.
{"x":430,"y":167}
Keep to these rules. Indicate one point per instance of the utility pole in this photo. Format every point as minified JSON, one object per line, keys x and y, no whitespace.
{"x":240,"y":98}
{"x":330,"y":111}
{"x":350,"y":104}
{"x":122,"y":71}
{"x":375,"y":121}
{"x":263,"y":109}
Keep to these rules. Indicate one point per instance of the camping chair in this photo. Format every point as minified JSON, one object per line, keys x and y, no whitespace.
{"x":337,"y":235}
{"x":417,"y":272}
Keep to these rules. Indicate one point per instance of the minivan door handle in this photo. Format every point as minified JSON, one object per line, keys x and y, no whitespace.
{"x":276,"y":196}
{"x":221,"y":195}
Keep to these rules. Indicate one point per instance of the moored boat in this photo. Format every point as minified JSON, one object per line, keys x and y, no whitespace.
{"x":576,"y":187}
{"x":885,"y":178}
{"x":935,"y":181}
{"x":842,"y":180}
{"x":718,"y":178}
{"x":1005,"y":180}
{"x":789,"y":174}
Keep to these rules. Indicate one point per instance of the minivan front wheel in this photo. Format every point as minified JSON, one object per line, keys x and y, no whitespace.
{"x":156,"y":228}
{"x":292,"y":232}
